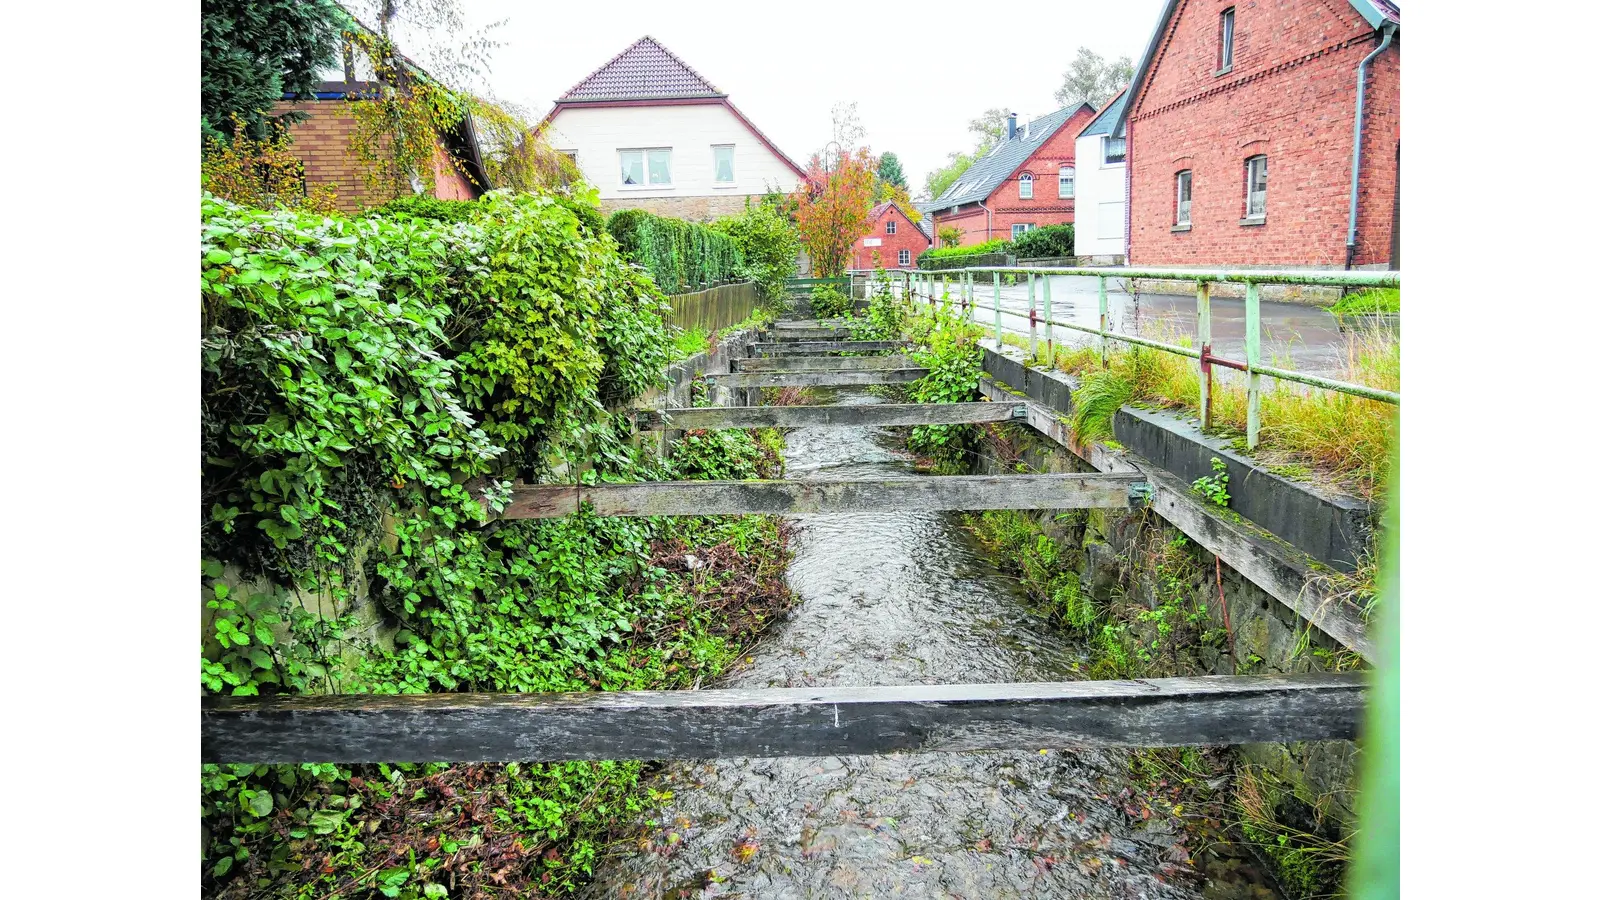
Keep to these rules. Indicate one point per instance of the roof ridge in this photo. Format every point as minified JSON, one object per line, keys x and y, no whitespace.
{"x":680,"y":61}
{"x":700,"y":85}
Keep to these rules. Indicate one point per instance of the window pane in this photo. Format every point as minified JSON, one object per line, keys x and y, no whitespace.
{"x":1227,"y":39}
{"x":723,"y":158}
{"x":888,"y":227}
{"x":1116,"y":149}
{"x":632,"y":167}
{"x":1025,"y":187}
{"x":1068,"y":179}
{"x":660,"y":166}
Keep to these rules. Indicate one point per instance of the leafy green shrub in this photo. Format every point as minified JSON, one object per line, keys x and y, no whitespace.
{"x":769,"y":244}
{"x":1051,"y":240}
{"x":680,"y":256}
{"x":366,"y":387}
{"x":995,"y":246}
{"x":885,"y":318}
{"x":430,"y":208}
{"x":947,"y":346}
{"x":828,"y":302}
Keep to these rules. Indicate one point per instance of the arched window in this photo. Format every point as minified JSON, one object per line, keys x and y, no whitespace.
{"x":1025,"y":186}
{"x":1069,"y":177}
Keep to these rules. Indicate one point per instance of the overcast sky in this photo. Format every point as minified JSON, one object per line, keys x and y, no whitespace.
{"x":917,"y":75}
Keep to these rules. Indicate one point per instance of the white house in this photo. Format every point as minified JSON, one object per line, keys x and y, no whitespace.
{"x":1100,"y":229}
{"x":648,"y":131}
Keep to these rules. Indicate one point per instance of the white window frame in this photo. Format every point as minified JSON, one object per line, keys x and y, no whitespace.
{"x":1185,"y":180}
{"x":1021,"y":228}
{"x":1225,"y":51}
{"x":1067,"y":183}
{"x":647,"y":184}
{"x":733,"y":171}
{"x":888,"y":227}
{"x":1105,"y":150}
{"x":905,"y":257}
{"x":1255,"y":202}
{"x":1025,"y":186}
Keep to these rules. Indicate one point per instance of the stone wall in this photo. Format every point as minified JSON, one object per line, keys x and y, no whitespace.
{"x":693,"y":209}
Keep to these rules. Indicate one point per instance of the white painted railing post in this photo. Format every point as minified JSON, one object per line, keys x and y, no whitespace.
{"x":1252,"y":359}
{"x":997,"y":310}
{"x":1049,"y":327}
{"x":1105,"y":321}
{"x":1033,"y":323}
{"x":1202,"y":305}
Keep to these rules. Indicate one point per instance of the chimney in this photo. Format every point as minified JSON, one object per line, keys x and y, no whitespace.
{"x":1011,"y":125}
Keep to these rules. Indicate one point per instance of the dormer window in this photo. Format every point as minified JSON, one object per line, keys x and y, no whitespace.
{"x":1025,"y":186}
{"x":1225,"y":44}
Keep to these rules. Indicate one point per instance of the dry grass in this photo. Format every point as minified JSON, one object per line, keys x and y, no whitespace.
{"x":1347,"y":440}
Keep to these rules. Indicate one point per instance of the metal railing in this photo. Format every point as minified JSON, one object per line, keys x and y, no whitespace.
{"x":933,"y":285}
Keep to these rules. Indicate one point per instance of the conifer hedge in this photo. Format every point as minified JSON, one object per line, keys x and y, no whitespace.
{"x":680,"y":256}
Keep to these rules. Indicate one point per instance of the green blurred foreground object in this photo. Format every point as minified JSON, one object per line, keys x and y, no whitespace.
{"x":1375,"y":871}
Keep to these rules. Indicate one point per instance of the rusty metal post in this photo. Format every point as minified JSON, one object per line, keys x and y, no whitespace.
{"x":1202,"y":302}
{"x":1252,"y":359}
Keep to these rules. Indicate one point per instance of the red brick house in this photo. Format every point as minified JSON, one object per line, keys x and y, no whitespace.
{"x":321,"y":140}
{"x":1026,"y":181}
{"x":895,"y":239}
{"x":1241,"y":135}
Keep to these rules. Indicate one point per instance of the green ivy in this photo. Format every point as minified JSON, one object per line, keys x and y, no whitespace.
{"x":681,"y":256}
{"x":368,"y":387}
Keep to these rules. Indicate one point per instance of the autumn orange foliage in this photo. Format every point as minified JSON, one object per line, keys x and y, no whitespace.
{"x":832,"y":209}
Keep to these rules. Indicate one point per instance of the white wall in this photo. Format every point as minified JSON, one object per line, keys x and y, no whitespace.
{"x":1098,"y":211}
{"x":597,"y":133}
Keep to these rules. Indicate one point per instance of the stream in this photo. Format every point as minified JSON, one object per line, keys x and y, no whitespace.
{"x":891,"y":598}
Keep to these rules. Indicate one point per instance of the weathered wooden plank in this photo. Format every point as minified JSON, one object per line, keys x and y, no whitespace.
{"x":802,"y":324}
{"x":817,"y":333}
{"x":774,"y":722}
{"x":815,"y":379}
{"x":1277,"y":568}
{"x":801,"y":348}
{"x":914,"y":494}
{"x":822,"y":363}
{"x":814,"y":416}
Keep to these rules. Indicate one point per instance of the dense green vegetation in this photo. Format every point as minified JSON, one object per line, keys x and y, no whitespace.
{"x":945,"y":253}
{"x":252,"y":52}
{"x":369,"y":387}
{"x":768,"y":243}
{"x":1037,"y":243}
{"x":681,"y":256}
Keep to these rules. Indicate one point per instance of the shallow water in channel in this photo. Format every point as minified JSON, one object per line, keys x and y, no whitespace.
{"x":891,"y":598}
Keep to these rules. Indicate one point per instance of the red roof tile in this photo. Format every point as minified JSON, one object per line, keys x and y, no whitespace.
{"x":644,"y":71}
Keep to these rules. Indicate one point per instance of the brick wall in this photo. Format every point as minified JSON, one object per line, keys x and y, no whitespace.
{"x":322,"y":142}
{"x":1289,"y":95}
{"x":906,"y":237}
{"x":693,"y":209}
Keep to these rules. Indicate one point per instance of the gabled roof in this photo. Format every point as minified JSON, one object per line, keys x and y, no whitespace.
{"x":885,"y":206}
{"x":644,"y":71}
{"x":1101,"y":124}
{"x":996,"y":166}
{"x":1377,"y":13}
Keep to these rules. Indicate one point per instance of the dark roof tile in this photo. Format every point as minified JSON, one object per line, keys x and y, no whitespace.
{"x":644,"y":71}
{"x":997,"y":164}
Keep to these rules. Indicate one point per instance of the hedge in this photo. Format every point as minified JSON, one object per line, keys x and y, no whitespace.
{"x":1040,"y":243}
{"x":681,"y":256}
{"x":956,"y":257}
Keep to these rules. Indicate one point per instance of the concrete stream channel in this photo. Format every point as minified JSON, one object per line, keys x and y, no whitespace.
{"x":891,"y":598}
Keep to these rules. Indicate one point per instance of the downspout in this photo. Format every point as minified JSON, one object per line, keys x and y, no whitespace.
{"x":1355,"y":156}
{"x":988,"y":222}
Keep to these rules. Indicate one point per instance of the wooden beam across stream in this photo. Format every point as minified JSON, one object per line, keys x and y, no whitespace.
{"x":815,"y":379}
{"x":716,"y":417}
{"x":776,"y":722}
{"x":800,"y":348}
{"x":822,"y":363}
{"x":811,"y":333}
{"x":801,"y":497}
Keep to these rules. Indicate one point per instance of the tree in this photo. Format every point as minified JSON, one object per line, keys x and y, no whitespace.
{"x":832,"y":210}
{"x":768,"y":242}
{"x":940,"y":179}
{"x":1092,"y":80}
{"x":252,"y":52}
{"x":889,"y":171}
{"x":950,"y":236}
{"x":894,"y":193}
{"x":990,"y":129}
{"x":847,"y":128}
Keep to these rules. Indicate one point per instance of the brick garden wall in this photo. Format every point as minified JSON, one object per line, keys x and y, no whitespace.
{"x":1289,"y":95}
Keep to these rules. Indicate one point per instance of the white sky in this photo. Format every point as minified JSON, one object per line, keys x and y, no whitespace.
{"x":917,"y":75}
